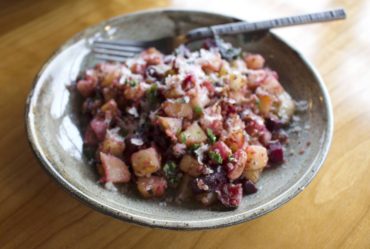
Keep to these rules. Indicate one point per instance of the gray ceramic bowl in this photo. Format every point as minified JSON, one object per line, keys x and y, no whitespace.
{"x":54,"y":133}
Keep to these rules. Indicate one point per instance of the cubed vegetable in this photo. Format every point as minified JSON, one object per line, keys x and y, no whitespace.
{"x":145,"y":162}
{"x":171,"y":126}
{"x":238,"y":163}
{"x":286,"y":107}
{"x":113,"y":143}
{"x":178,"y":109}
{"x":153,"y":186}
{"x":235,"y":140}
{"x":252,"y":175}
{"x":257,"y":157}
{"x":86,"y":87}
{"x":111,"y":106}
{"x":194,"y":134}
{"x":191,"y":166}
{"x":99,"y":127}
{"x":254,"y":61}
{"x":115,"y":170}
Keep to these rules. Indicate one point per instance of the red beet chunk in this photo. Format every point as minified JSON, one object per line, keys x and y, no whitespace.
{"x":208,"y":183}
{"x":273,"y":124}
{"x":249,"y":187}
{"x":222,"y":149}
{"x":275,"y":153}
{"x":230,"y":194}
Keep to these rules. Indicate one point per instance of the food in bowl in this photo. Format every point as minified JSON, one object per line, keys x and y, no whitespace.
{"x":201,"y":124}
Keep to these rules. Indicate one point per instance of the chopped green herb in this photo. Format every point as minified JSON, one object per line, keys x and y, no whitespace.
{"x":258,"y":103}
{"x":170,"y":171}
{"x":183,"y":138}
{"x":231,"y":158}
{"x":198,"y":110}
{"x":215,"y":156}
{"x":152,"y":95}
{"x":212,"y":138}
{"x":132,"y":82}
{"x":194,"y":147}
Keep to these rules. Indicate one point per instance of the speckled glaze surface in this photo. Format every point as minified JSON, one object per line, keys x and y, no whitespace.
{"x":52,"y":120}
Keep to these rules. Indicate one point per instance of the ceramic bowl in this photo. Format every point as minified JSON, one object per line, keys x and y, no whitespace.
{"x":52,"y":119}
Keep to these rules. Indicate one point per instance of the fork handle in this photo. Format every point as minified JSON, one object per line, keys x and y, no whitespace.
{"x":245,"y":27}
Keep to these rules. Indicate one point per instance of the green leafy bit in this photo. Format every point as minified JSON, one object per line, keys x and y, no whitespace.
{"x":170,"y":171}
{"x":212,"y":137}
{"x":194,"y":147}
{"x":215,"y":156}
{"x":231,"y":158}
{"x":258,"y":103}
{"x":198,"y":110}
{"x":152,"y":94}
{"x":183,"y":138}
{"x":131,"y":82}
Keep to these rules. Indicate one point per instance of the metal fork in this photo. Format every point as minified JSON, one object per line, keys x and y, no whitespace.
{"x":120,"y":50}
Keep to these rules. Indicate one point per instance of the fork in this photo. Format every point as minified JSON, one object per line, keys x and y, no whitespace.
{"x":120,"y":50}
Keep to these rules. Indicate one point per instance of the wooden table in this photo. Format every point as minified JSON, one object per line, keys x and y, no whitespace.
{"x":333,"y":212}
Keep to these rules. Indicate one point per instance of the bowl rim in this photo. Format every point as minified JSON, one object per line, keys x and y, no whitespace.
{"x":278,"y":201}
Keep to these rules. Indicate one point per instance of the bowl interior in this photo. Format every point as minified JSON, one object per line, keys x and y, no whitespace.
{"x":55,"y":135}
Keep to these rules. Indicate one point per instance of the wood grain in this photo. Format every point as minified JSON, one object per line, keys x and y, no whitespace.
{"x":333,"y":212}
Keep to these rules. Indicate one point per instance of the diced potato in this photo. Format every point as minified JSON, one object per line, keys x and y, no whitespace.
{"x":199,"y":97}
{"x":211,"y":62}
{"x":265,"y":104}
{"x":225,"y":69}
{"x":191,"y":166}
{"x":111,"y":106}
{"x":253,"y":175}
{"x":171,"y":126}
{"x":153,"y":186}
{"x":115,"y":170}
{"x":86,"y":87}
{"x":271,"y":85}
{"x":286,"y":108}
{"x":207,"y":199}
{"x":240,"y":161}
{"x":254,"y":61}
{"x":194,"y":134}
{"x":184,"y":191}
{"x":257,"y":157}
{"x":134,"y":92}
{"x":234,"y":123}
{"x":212,"y":119}
{"x":235,"y":140}
{"x":152,"y":56}
{"x":237,"y":81}
{"x":113,"y":143}
{"x":145,"y":162}
{"x":178,"y":110}
{"x":175,"y":91}
{"x":110,"y":78}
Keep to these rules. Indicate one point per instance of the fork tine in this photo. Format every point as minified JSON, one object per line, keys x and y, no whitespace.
{"x":125,"y":43}
{"x":105,"y":57}
{"x":119,"y":47}
{"x":114,"y":52}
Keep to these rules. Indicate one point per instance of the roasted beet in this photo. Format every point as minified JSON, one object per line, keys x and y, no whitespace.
{"x":230,"y":194}
{"x":275,"y":153}
{"x":248,"y":187}
{"x":273,"y":124}
{"x":208,"y":183}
